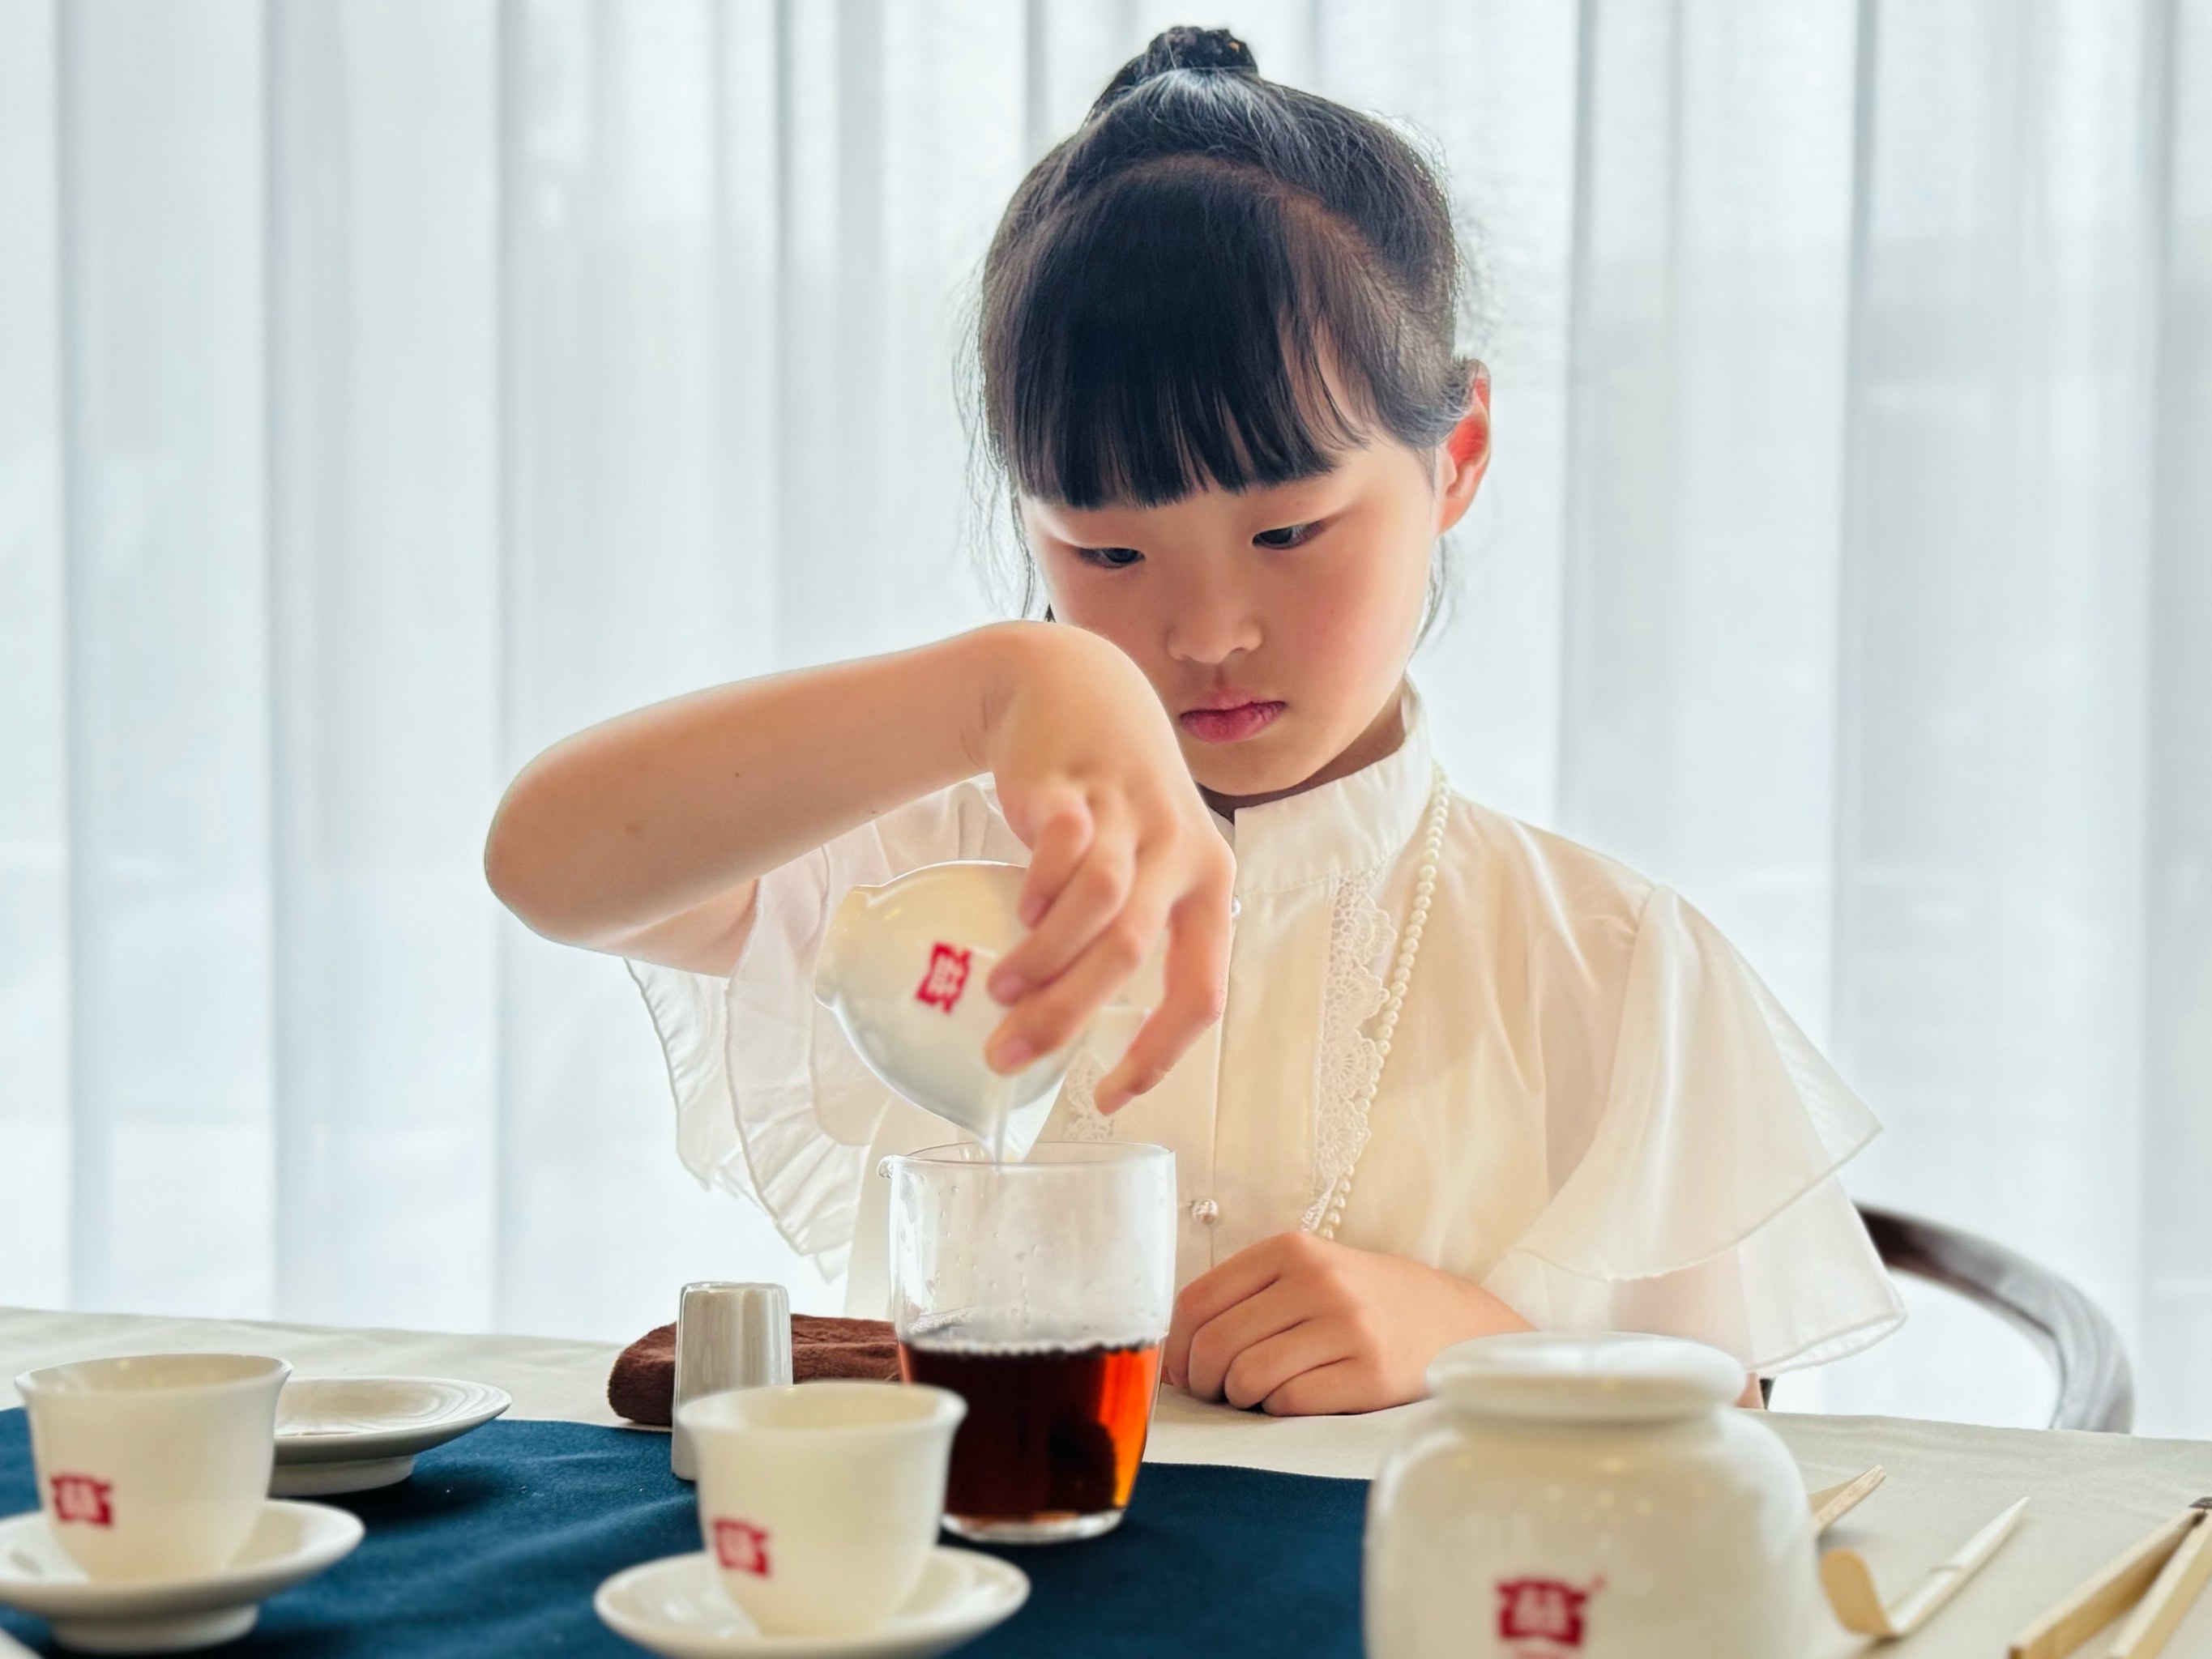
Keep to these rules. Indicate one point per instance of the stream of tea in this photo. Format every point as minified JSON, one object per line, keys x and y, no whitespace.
{"x":991,"y":1124}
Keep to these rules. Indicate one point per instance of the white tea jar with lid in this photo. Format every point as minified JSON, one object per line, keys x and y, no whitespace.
{"x":1594,"y":1496}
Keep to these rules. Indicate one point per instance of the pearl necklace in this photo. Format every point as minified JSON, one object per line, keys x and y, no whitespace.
{"x":1401,"y":975}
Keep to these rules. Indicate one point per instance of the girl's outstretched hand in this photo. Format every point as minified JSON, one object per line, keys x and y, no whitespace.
{"x":1303,"y":1326}
{"x":1121,"y":850}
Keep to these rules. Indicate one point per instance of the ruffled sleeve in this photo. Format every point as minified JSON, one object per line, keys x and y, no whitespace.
{"x":771,"y":1102}
{"x":1704,"y":1203}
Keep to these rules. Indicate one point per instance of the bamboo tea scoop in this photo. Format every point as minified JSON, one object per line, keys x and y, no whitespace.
{"x":1832,"y":1504}
{"x":1858,"y":1606}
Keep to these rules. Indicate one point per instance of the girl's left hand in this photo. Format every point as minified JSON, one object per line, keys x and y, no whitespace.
{"x":1303,"y":1325}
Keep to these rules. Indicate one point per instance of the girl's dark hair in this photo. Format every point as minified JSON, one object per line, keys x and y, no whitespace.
{"x":1168,"y":284}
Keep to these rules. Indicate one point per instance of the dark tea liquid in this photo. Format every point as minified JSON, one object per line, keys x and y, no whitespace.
{"x":1050,"y":1432}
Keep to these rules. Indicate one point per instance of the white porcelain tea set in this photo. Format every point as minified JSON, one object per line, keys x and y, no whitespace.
{"x":156,"y":1529}
{"x":1593,"y":1495}
{"x":155,"y":1532}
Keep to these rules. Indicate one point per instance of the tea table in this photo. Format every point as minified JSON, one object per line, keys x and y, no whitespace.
{"x":2091,"y":1495}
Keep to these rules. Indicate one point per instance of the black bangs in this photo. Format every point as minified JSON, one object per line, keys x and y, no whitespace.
{"x":1216,"y":280}
{"x":1176,"y":334}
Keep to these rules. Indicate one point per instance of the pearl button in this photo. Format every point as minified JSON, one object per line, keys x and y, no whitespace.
{"x":1206,"y":1212}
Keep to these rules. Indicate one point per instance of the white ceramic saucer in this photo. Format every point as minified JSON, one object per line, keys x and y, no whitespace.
{"x":352,"y":1433}
{"x":676,"y":1606}
{"x":290,"y":1542}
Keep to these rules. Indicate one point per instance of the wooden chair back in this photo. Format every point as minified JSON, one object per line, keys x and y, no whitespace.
{"x":2095,"y":1388}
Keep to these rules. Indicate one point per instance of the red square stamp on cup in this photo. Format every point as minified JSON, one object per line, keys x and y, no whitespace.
{"x":946,"y":978}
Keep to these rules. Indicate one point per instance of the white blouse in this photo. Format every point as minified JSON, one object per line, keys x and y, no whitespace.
{"x":1591,"y":1106}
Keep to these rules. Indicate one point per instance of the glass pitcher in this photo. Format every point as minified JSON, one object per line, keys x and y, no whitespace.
{"x":1040,"y":1292}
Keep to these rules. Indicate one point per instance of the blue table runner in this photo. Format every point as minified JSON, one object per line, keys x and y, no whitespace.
{"x":497,"y":1543}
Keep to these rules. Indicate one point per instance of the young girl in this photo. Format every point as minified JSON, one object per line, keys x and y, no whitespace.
{"x":1428,"y":1073}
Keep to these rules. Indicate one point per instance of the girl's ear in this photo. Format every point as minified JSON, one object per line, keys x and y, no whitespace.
{"x":1467,"y":453}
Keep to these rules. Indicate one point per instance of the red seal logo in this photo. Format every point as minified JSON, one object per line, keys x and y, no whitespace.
{"x":81,"y":1499}
{"x":945,"y":979}
{"x":1542,"y":1611}
{"x":741,"y":1546}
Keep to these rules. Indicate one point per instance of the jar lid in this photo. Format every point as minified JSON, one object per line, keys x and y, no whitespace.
{"x":1613,"y":1378}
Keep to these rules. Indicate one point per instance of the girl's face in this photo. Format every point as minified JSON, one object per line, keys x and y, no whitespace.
{"x":1275,"y":623}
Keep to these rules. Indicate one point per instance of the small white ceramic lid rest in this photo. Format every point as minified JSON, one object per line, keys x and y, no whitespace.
{"x":1558,"y":1377}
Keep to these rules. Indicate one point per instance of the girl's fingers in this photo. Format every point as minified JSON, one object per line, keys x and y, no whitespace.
{"x":1085,"y":904}
{"x":1341,"y":1385}
{"x":1196,"y":979}
{"x":1267,"y":1369}
{"x":1064,"y":830}
{"x":1221,"y":1340}
{"x":1212,"y":1294}
{"x":1051,"y":1017}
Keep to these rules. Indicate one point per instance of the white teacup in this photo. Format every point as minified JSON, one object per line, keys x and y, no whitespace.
{"x":819,"y":1503}
{"x":155,"y":1466}
{"x":904,"y":967}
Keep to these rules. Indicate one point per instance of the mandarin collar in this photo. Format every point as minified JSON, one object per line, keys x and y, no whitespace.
{"x":1360,"y":821}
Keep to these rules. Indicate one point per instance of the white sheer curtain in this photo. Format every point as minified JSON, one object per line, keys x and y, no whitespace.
{"x":388,"y":387}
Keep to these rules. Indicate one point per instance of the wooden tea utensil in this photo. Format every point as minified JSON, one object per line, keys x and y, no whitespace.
{"x":1832,"y":1504}
{"x":1858,"y":1606}
{"x":2159,"y":1578}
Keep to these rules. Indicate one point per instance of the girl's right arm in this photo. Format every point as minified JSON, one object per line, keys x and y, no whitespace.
{"x":645,"y":835}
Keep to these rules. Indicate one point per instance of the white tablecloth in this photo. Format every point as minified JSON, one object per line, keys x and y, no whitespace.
{"x":2093,"y":1495}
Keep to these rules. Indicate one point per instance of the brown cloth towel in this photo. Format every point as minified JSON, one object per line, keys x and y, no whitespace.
{"x":642,"y":1385}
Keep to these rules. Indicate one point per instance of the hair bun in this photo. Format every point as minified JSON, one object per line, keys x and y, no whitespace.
{"x":1181,"y":48}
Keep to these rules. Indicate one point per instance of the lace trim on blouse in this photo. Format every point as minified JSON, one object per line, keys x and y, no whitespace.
{"x":1361,"y":937}
{"x":1084,"y":1121}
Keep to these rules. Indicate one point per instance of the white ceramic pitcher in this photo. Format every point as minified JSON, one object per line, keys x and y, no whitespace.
{"x":904,"y":968}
